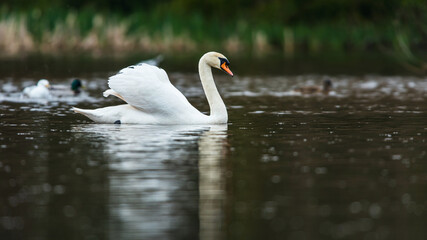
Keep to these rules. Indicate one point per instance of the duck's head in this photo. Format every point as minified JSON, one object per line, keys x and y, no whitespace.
{"x":43,"y":83}
{"x":76,"y":84}
{"x":327,"y":85}
{"x":217,"y":60}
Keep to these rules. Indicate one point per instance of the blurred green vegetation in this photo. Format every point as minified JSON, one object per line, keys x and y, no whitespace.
{"x":278,"y":11}
{"x":239,"y":26}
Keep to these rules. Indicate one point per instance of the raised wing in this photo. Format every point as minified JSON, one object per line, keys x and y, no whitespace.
{"x":148,"y":88}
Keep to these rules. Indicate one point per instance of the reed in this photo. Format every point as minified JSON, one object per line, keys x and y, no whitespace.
{"x":60,"y":31}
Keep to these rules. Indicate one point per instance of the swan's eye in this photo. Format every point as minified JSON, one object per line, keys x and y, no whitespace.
{"x":224,"y":66}
{"x":223,"y":60}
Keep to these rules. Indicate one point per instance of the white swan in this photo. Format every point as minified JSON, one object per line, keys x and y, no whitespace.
{"x":152,"y":99}
{"x":41,"y":90}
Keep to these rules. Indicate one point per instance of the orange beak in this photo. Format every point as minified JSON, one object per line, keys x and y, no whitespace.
{"x":226,"y":69}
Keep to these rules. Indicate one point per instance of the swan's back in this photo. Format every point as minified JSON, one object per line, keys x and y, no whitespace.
{"x":148,"y":88}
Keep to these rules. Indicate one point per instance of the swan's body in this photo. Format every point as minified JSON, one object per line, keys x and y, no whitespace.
{"x":152,"y":99}
{"x":41,"y":90}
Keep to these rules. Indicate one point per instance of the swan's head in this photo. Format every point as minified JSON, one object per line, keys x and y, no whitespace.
{"x":217,"y":60}
{"x":43,"y":83}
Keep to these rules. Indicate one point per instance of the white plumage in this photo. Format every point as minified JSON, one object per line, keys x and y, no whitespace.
{"x":41,"y":90}
{"x":152,"y":99}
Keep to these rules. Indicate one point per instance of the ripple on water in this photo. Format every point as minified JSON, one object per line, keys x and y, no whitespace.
{"x":349,"y":162}
{"x":369,"y":86}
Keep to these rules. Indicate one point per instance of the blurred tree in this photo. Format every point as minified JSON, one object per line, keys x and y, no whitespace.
{"x":287,"y":11}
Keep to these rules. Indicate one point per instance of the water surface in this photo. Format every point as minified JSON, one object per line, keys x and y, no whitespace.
{"x":349,"y":165}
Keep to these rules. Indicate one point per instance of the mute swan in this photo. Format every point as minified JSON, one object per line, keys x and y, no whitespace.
{"x":41,"y":90}
{"x":327,"y":85}
{"x":152,"y":99}
{"x":67,"y":91}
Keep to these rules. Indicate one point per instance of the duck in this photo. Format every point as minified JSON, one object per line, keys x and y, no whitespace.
{"x":67,"y":91}
{"x":152,"y":99}
{"x":325,"y":89}
{"x":41,"y":90}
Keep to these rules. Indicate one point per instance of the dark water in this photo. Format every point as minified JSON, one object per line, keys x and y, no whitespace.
{"x":351,"y":165}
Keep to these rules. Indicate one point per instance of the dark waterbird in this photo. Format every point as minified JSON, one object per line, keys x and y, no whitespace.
{"x":325,"y":89}
{"x":67,"y":91}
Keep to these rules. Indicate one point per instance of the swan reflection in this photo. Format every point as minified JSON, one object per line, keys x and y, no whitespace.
{"x":153,"y":176}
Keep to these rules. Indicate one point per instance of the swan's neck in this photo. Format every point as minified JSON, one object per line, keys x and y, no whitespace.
{"x":218,"y":111}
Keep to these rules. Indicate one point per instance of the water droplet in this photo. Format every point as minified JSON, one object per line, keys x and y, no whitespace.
{"x":355,"y":207}
{"x":59,"y":189}
{"x":275,"y":179}
{"x":320,"y":170}
{"x":375,"y":210}
{"x":69,"y":211}
{"x":406,"y":198}
{"x":305,"y":169}
{"x":79,"y":171}
{"x":324,"y":210}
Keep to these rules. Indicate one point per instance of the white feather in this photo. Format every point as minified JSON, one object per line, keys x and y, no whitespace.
{"x":148,"y":88}
{"x":152,"y":99}
{"x":39,"y":91}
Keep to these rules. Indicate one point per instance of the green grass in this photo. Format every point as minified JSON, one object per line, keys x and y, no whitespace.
{"x":61,"y":31}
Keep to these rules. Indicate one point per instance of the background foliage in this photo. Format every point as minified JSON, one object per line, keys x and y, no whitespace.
{"x":259,"y":26}
{"x":286,"y":12}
